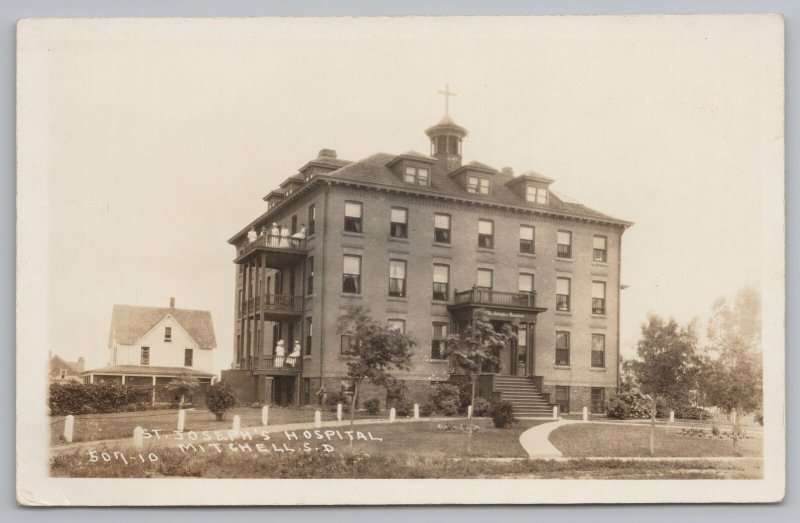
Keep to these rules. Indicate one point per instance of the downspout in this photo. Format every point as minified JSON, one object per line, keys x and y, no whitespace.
{"x":619,"y":310}
{"x":322,"y":289}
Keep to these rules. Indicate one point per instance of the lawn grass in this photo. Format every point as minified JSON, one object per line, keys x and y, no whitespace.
{"x":93,"y":427}
{"x":605,"y":440}
{"x":423,"y":438}
{"x":355,"y":465}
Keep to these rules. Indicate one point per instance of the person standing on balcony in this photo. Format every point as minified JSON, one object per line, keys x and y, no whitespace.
{"x":274,"y":235}
{"x":298,"y":237}
{"x":280,"y":354}
{"x":291,"y":360}
{"x":252,"y":235}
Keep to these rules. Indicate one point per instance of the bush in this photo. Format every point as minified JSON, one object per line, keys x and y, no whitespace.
{"x":446,"y":398}
{"x":627,"y":404}
{"x":691,"y":412}
{"x":427,"y":409}
{"x":403,"y":406}
{"x":372,"y":406}
{"x":502,"y":413}
{"x":464,"y":385}
{"x":220,"y":397}
{"x":481,"y":407}
{"x":89,"y":398}
{"x":334,"y":398}
{"x":759,"y":418}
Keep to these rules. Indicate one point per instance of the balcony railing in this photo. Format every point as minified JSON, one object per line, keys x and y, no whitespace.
{"x":480,"y":296}
{"x":272,"y":362}
{"x":275,"y":303}
{"x":272,"y":241}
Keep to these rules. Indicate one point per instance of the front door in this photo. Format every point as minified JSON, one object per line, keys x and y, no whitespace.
{"x":522,"y":350}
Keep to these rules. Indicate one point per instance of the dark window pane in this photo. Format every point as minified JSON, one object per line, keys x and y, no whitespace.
{"x":440,"y":291}
{"x":562,"y":302}
{"x":598,"y":306}
{"x":352,"y":224}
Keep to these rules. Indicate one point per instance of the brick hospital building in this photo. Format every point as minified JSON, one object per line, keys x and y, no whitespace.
{"x":424,"y":241}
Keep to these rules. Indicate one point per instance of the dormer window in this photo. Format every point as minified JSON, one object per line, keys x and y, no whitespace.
{"x":477,"y":185}
{"x":416,"y":175}
{"x":534,"y":194}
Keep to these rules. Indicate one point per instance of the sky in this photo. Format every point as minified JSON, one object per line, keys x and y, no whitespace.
{"x":161,"y":139}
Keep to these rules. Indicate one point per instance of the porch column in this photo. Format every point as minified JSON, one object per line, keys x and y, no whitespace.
{"x":264,"y":293}
{"x":123,"y":379}
{"x":154,"y":391}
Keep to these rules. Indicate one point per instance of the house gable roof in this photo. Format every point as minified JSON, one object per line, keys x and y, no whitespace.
{"x":130,"y":322}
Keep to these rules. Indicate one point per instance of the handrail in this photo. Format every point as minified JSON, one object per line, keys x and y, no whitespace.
{"x":273,"y":241}
{"x":273,"y":303}
{"x":483,"y":296}
{"x":273,"y":362}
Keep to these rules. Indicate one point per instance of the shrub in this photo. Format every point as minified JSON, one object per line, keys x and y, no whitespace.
{"x":464,"y":386}
{"x":481,"y":407}
{"x":88,"y":398}
{"x":446,"y":398}
{"x":334,"y":398}
{"x":691,"y":412}
{"x":502,"y":413}
{"x":627,"y":404}
{"x":427,"y":409}
{"x":372,"y":406}
{"x":759,"y":418}
{"x":220,"y":397}
{"x":403,"y":406}
{"x":715,"y":430}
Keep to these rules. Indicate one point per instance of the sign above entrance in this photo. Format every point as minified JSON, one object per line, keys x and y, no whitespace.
{"x":510,"y":316}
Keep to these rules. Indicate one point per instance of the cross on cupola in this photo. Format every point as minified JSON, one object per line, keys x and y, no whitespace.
{"x":446,"y":137}
{"x":447,"y":94}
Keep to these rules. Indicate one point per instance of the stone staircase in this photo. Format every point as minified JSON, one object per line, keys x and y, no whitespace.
{"x":523,"y":395}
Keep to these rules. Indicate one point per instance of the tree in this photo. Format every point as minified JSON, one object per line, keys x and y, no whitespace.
{"x":184,"y":385}
{"x":734,"y":379}
{"x":375,"y":351}
{"x":667,"y":364}
{"x":220,"y":398}
{"x":478,"y":346}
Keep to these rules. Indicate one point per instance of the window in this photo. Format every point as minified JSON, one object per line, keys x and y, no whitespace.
{"x":188,"y":357}
{"x":398,"y":226}
{"x":598,"y":400}
{"x":526,"y":239}
{"x":562,"y":294}
{"x":441,"y":282}
{"x":62,"y":373}
{"x":485,"y":279}
{"x":535,"y":194}
{"x":352,"y":216}
{"x":599,"y":251}
{"x":351,"y":278}
{"x":397,"y":278}
{"x":598,"y":350}
{"x":441,"y":228}
{"x":309,"y":334}
{"x":522,"y":344}
{"x":562,"y":348}
{"x":416,"y":175}
{"x":168,"y":334}
{"x":144,"y":358}
{"x":310,"y":275}
{"x":598,"y":297}
{"x":486,"y":234}
{"x":564,"y":249}
{"x":562,"y":399}
{"x":476,"y":185}
{"x":526,"y":283}
{"x":397,"y":325}
{"x":348,"y":344}
{"x":437,"y":342}
{"x":312,"y":218}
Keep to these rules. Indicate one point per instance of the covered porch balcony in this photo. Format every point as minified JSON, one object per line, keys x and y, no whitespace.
{"x":280,"y":251}
{"x":270,"y":364}
{"x":274,"y":307}
{"x":480,"y":296}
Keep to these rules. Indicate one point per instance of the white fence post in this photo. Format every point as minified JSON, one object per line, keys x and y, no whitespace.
{"x":392,"y":415}
{"x":416,"y":410}
{"x":181,"y":420}
{"x":317,"y":419}
{"x":265,"y":415}
{"x":69,"y":428}
{"x":555,"y":412}
{"x":469,"y":412}
{"x":237,"y":424}
{"x":585,"y":414}
{"x":672,"y":416}
{"x":339,"y":412}
{"x":138,"y":438}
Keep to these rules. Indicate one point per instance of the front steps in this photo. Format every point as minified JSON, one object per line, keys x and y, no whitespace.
{"x":523,"y":395}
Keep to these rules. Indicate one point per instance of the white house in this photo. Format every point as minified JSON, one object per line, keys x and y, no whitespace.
{"x":151,"y":346}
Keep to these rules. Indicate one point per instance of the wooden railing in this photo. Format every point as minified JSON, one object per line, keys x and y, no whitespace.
{"x":272,"y":241}
{"x":482,"y":296}
{"x":272,"y":303}
{"x":272,"y":362}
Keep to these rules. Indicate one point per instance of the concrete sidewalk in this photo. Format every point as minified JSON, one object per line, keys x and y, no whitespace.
{"x":536,"y":440}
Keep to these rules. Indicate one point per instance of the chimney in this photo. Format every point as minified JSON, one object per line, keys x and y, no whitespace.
{"x":327,"y":153}
{"x":171,"y":303}
{"x":507,"y":170}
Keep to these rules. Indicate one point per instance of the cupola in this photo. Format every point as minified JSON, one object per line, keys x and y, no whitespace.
{"x":446,"y":137}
